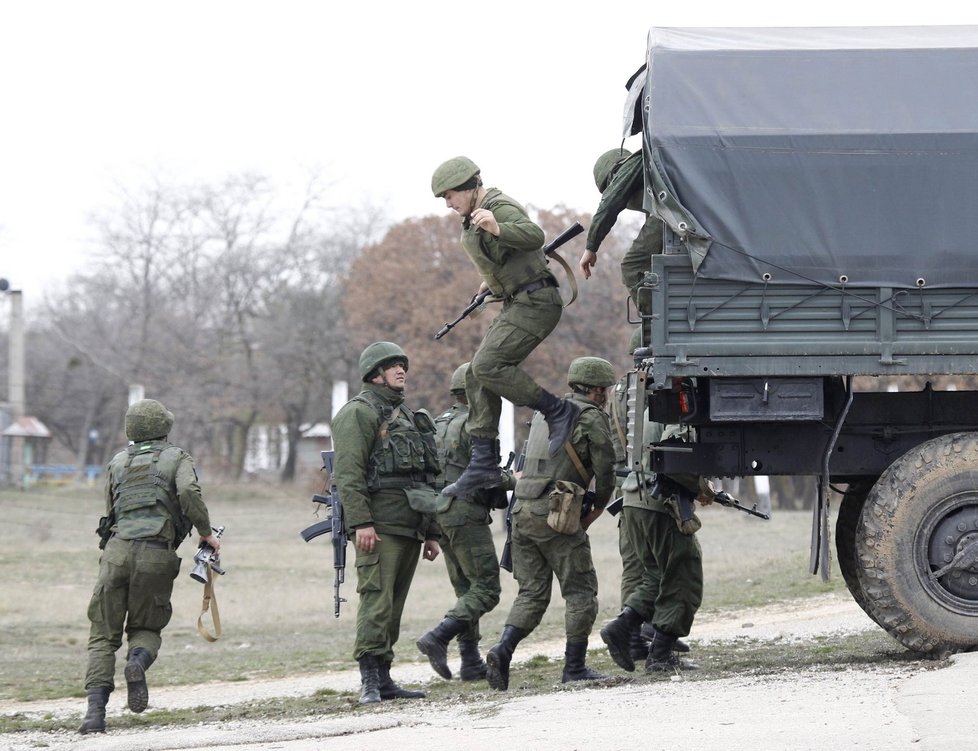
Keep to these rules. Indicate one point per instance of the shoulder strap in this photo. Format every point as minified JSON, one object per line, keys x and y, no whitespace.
{"x":578,"y":464}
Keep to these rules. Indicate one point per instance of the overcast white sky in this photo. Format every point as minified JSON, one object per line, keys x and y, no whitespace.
{"x":99,"y":93}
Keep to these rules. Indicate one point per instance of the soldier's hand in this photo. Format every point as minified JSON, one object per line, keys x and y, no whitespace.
{"x":588,"y":261}
{"x":431,"y":549}
{"x":213,"y":541}
{"x":367,"y":539}
{"x":588,"y":520}
{"x":483,"y":219}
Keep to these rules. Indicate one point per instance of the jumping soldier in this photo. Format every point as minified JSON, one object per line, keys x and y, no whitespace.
{"x":506,"y":249}
{"x":385,"y":465}
{"x":466,"y":541}
{"x":152,"y":500}
{"x":549,"y":531}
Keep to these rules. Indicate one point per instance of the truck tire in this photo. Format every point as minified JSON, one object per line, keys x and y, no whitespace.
{"x":919,"y":515}
{"x":845,"y":540}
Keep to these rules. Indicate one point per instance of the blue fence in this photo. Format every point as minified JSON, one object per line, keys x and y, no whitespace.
{"x":62,"y":472}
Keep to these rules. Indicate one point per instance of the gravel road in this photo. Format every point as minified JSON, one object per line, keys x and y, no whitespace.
{"x":892,"y":706}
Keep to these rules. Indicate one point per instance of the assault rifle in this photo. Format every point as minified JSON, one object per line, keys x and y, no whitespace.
{"x":568,"y":234}
{"x":664,"y":486}
{"x":335,"y":526}
{"x":205,"y":558}
{"x":506,"y":559}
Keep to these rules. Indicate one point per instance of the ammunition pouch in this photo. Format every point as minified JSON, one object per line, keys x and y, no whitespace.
{"x":566,"y":500}
{"x":426,"y":500}
{"x":681,"y":508}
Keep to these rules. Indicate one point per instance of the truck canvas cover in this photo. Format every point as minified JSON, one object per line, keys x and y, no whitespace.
{"x":831,"y":155}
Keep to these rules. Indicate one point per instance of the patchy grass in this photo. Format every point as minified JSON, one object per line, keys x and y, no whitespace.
{"x":277,"y":610}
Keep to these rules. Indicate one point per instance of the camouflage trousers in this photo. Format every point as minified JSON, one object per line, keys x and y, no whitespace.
{"x":383,"y":579}
{"x":473,"y":567}
{"x":638,"y":259}
{"x":494,"y":373}
{"x":539,"y":554}
{"x":631,"y":564}
{"x":671,"y":588}
{"x":132,"y":595}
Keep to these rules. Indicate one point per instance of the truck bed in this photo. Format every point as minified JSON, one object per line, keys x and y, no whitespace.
{"x":722,"y":328}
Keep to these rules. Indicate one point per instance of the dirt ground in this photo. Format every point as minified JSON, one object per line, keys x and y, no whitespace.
{"x":889,"y":706}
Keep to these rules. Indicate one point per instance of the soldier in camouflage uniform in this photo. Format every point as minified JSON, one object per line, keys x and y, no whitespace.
{"x":539,"y":552}
{"x":385,"y":465}
{"x":671,"y":586}
{"x":620,"y":178}
{"x":466,"y":541}
{"x":506,"y":249}
{"x":152,"y":500}
{"x":633,"y":565}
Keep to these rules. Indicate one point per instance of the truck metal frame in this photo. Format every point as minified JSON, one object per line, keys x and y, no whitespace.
{"x":780,"y":360}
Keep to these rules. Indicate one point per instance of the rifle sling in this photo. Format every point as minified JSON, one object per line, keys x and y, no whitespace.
{"x":578,"y":464}
{"x":210,"y":598}
{"x":571,"y":279}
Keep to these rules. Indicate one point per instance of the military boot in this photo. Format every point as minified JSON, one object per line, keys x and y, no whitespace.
{"x":499,"y":657}
{"x":94,"y":721}
{"x":482,"y":471}
{"x":617,"y":634}
{"x":574,"y":668}
{"x":561,"y":415}
{"x":369,"y":680}
{"x":434,"y":645}
{"x":662,"y":656}
{"x":390,"y":690}
{"x":473,"y":667}
{"x":638,"y":647}
{"x":648,"y":631}
{"x":136,"y":665}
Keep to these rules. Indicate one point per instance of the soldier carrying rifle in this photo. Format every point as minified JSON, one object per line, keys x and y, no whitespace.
{"x":385,"y":466}
{"x":152,"y":501}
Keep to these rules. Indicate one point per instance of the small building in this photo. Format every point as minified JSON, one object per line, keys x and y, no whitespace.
{"x":25,"y":442}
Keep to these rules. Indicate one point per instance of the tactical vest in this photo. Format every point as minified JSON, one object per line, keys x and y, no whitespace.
{"x":144,"y":496}
{"x":540,"y":470}
{"x":404,"y":453}
{"x":453,"y":456}
{"x":502,"y":268}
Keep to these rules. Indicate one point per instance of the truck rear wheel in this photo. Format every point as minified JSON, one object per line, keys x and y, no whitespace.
{"x":920,"y":516}
{"x":845,"y":539}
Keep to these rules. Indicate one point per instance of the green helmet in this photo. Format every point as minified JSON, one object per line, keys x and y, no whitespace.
{"x":591,"y":371}
{"x":147,"y":419}
{"x":458,"y":377}
{"x":605,"y":166}
{"x":636,"y":341}
{"x":451,"y":174}
{"x":378,"y":354}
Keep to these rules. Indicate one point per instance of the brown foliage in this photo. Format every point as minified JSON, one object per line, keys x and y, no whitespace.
{"x":404,"y":288}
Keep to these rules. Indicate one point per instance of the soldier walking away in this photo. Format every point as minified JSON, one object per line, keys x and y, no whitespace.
{"x":619,"y":177}
{"x":152,"y":501}
{"x":507,"y":250}
{"x":466,"y":542}
{"x":385,"y":466}
{"x":550,"y":519}
{"x":663,"y":603}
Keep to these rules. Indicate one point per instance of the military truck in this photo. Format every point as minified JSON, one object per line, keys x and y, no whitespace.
{"x":819,"y":189}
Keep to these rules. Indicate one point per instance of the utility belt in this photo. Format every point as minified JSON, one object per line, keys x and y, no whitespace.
{"x":402,"y":481}
{"x":152,"y":544}
{"x":546,"y":281}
